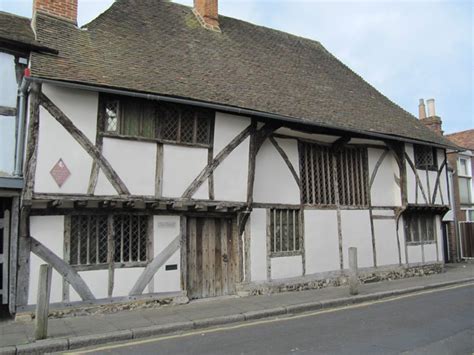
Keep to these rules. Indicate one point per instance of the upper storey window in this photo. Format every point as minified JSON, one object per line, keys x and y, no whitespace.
{"x":425,"y":157}
{"x":139,"y":118}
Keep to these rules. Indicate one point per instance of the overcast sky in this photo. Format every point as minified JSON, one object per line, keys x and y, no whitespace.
{"x":407,"y":49}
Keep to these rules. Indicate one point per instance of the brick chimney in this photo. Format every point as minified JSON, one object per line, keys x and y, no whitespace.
{"x":63,"y":9}
{"x":431,"y":121}
{"x":207,"y":13}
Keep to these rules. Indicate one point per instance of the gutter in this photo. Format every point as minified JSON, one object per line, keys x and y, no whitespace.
{"x":230,"y":109}
{"x":21,"y":122}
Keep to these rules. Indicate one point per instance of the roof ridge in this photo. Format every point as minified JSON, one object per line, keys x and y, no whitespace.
{"x":460,"y":132}
{"x":14,"y":15}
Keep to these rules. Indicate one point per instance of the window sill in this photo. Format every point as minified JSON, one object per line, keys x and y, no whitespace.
{"x":152,"y":140}
{"x":92,"y":267}
{"x":281,"y":254}
{"x":421,"y":243}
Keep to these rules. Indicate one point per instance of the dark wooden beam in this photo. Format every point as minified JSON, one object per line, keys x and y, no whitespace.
{"x":286,"y":160}
{"x":224,"y":153}
{"x":339,"y":143}
{"x":377,"y":166}
{"x":7,"y":111}
{"x":91,"y":149}
{"x":32,"y":145}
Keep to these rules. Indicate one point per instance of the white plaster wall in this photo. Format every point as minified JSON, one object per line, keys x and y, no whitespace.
{"x":9,"y":86}
{"x":386,"y":242}
{"x":124,"y":280}
{"x":56,"y":143}
{"x":321,"y":241}
{"x":181,"y":165}
{"x":414,"y":254}
{"x":385,"y":191}
{"x":383,"y":213}
{"x":286,"y":266}
{"x":274,"y":182}
{"x":7,"y":142}
{"x":134,"y":162}
{"x":443,"y":182}
{"x":49,"y":230}
{"x":430,"y":252}
{"x":166,"y":228}
{"x":258,"y":245}
{"x":96,"y":280}
{"x":230,"y":177}
{"x":356,"y":232}
{"x":411,"y":180}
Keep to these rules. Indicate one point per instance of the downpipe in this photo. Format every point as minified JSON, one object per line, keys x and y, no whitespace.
{"x":21,"y":133}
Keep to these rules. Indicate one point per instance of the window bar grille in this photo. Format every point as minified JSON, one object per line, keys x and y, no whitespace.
{"x":79,"y":237}
{"x":195,"y":127}
{"x":281,"y":231}
{"x":312,"y":175}
{"x":139,"y":240}
{"x":130,"y":239}
{"x":88,"y":234}
{"x":121,"y":240}
{"x":274,"y":230}
{"x":294,"y":229}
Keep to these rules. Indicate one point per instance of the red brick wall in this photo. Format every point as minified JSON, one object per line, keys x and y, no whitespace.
{"x":65,"y":9}
{"x":208,"y":11}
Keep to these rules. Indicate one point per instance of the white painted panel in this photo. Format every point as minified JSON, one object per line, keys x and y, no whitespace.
{"x":287,"y":266}
{"x":134,"y":162}
{"x":274,"y":182}
{"x":401,"y":236}
{"x":9,"y":86}
{"x":230,"y":177}
{"x":443,"y":182}
{"x":386,"y":242}
{"x":96,"y":280}
{"x":49,"y":230}
{"x":7,"y":141}
{"x":56,"y":143}
{"x":124,"y":279}
{"x":414,"y":254}
{"x":356,"y":233}
{"x":432,"y":182}
{"x":258,"y":244}
{"x":411,"y":180}
{"x":385,"y":191}
{"x":166,"y":228}
{"x":430,"y":252}
{"x":383,"y":212}
{"x":181,"y":165}
{"x":321,"y":241}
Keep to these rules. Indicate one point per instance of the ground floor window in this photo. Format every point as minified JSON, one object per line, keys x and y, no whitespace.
{"x":285,"y":234}
{"x":420,"y":227}
{"x":97,"y":240}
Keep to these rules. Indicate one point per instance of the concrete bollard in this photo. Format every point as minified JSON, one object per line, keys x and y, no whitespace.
{"x":42,"y":302}
{"x":353,"y":273}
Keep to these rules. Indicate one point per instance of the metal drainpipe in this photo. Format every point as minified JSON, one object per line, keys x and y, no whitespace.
{"x":21,"y":117}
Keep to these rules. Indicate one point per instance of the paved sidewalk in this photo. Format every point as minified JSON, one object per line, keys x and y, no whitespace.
{"x":75,"y":332}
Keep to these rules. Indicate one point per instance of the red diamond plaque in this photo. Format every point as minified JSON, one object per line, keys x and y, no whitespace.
{"x":60,"y":173}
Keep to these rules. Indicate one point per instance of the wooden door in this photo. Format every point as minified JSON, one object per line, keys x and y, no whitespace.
{"x":4,"y":239}
{"x":467,"y":237}
{"x":213,"y":257}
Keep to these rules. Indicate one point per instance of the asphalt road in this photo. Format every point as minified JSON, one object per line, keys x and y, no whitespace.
{"x":433,"y":322}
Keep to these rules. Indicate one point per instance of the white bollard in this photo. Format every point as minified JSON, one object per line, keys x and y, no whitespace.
{"x":353,"y":273}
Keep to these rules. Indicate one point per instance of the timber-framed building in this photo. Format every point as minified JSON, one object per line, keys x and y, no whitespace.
{"x":175,"y":152}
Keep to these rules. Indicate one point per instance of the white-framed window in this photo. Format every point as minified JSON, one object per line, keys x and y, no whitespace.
{"x":470,"y":215}
{"x":464,"y":180}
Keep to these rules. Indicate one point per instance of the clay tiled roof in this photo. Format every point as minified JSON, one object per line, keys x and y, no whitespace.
{"x":16,"y":32}
{"x":464,"y":139}
{"x":158,"y":47}
{"x":16,"y":29}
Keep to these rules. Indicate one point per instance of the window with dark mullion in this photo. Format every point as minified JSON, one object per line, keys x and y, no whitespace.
{"x":284,"y":231}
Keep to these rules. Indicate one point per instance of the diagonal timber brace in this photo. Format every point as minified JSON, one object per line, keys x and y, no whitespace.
{"x":90,"y":148}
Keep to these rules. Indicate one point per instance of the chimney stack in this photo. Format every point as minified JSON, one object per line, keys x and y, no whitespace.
{"x":432,"y":122}
{"x":421,"y":110}
{"x":207,"y":13}
{"x":63,"y":9}
{"x":431,"y":107}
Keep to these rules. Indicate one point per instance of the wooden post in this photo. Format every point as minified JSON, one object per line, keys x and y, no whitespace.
{"x":42,"y":302}
{"x":353,"y":277}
